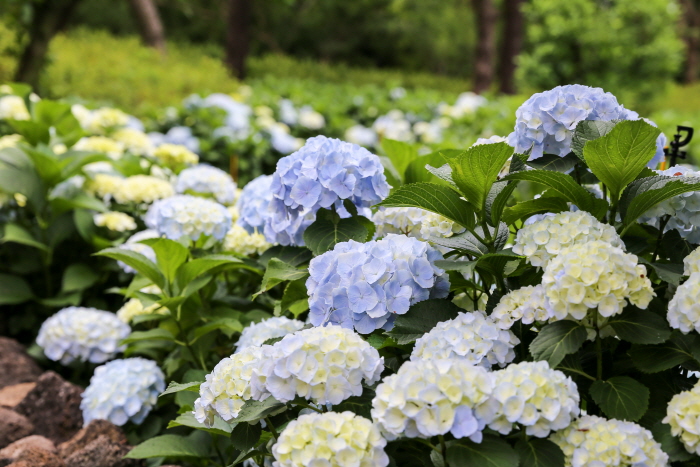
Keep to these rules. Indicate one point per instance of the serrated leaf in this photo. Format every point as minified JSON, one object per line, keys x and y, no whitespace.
{"x":187,"y":419}
{"x":645,"y":193}
{"x":469,"y":244}
{"x":170,"y":255}
{"x":444,"y":173}
{"x":621,"y":397}
{"x":496,"y":200}
{"x":528,"y":208}
{"x":668,"y":272}
{"x":640,"y":327}
{"x":174,"y":387}
{"x":588,"y":130}
{"x":554,"y":162}
{"x":556,"y":340}
{"x":475,"y":170}
{"x":138,"y":262}
{"x":169,"y":446}
{"x":329,"y":229}
{"x":421,"y":318}
{"x":434,"y":198}
{"x":245,"y":435}
{"x":491,"y":452}
{"x":399,"y":153}
{"x":539,"y":453}
{"x":278,"y":271}
{"x":255,"y":410}
{"x":416,"y":170}
{"x":295,"y":298}
{"x":618,"y":157}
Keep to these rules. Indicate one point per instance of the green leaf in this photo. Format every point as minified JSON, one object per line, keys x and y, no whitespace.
{"x":477,"y":169}
{"x":464,"y":267}
{"x":421,"y":318}
{"x":170,"y":255}
{"x":294,"y":255}
{"x":14,"y":290}
{"x":554,"y":162}
{"x":329,"y":229}
{"x":187,"y":419}
{"x":15,"y":233}
{"x":668,"y":272}
{"x":618,"y":157}
{"x":360,"y":405}
{"x":278,"y":271}
{"x":588,"y":130}
{"x":399,"y":153}
{"x":670,"y":444}
{"x":295,"y":298}
{"x":657,"y":358}
{"x":255,"y":410}
{"x":640,"y":327}
{"x":444,"y":173}
{"x":151,"y":334}
{"x":621,"y":397}
{"x":556,"y":340}
{"x":645,"y":193}
{"x":245,"y":436}
{"x":139,"y":262}
{"x":177,"y":387}
{"x":468,"y":243}
{"x":496,"y":200}
{"x":491,"y":452}
{"x":565,"y":186}
{"x":416,"y":171}
{"x":78,"y":277}
{"x":539,"y":453}
{"x":197,"y":268}
{"x":33,"y":132}
{"x":79,"y":201}
{"x":169,"y":446}
{"x":528,"y":208}
{"x":434,"y":198}
{"x":228,"y":326}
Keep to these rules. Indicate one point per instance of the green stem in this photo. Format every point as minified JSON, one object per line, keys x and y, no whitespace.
{"x":662,"y":226}
{"x":443,"y":449}
{"x":218,"y":452}
{"x":598,"y":350}
{"x":197,"y":358}
{"x":306,"y":406}
{"x":271,"y":427}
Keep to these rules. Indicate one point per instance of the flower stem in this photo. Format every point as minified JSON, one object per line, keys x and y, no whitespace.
{"x":271,"y":427}
{"x":443,"y":448}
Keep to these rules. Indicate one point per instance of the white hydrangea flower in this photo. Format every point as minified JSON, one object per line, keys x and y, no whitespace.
{"x":174,"y":155}
{"x":104,"y":185}
{"x":132,"y":244}
{"x":526,"y":304}
{"x":324,"y":364}
{"x":106,"y":118}
{"x":13,"y":108}
{"x":257,"y":333}
{"x":595,"y":275}
{"x":683,"y":415}
{"x":330,"y":440}
{"x":134,"y":141}
{"x":113,"y":149}
{"x":122,"y":391}
{"x":309,"y":118}
{"x":684,"y":307}
{"x":414,"y":222}
{"x":142,"y":189}
{"x":10,"y":141}
{"x":545,"y":237}
{"x":114,"y":220}
{"x":185,"y":215}
{"x":533,"y":395}
{"x":207,"y":180}
{"x":227,"y":387}
{"x":238,"y":240}
{"x":474,"y":337}
{"x":594,"y":441}
{"x":426,"y":398}
{"x":85,"y":334}
{"x":134,"y":308}
{"x":691,"y":263}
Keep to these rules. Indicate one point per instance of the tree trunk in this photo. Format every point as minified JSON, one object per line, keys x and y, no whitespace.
{"x":513,"y":31}
{"x":691,"y":37}
{"x":49,"y":17}
{"x":486,"y":17}
{"x":238,"y":36}
{"x":150,"y":26}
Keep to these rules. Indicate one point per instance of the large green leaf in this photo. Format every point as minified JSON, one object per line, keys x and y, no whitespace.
{"x":491,"y":452}
{"x":435,"y":198}
{"x":528,"y":208}
{"x":619,"y":156}
{"x":556,"y":340}
{"x":329,"y":229}
{"x":554,"y":162}
{"x":399,"y":153}
{"x":13,"y":290}
{"x":640,"y":327}
{"x":417,"y":172}
{"x":169,"y":446}
{"x":621,"y":397}
{"x":228,"y":326}
{"x":33,"y":133}
{"x":278,"y":271}
{"x":245,"y":436}
{"x":539,"y":453}
{"x":467,"y":243}
{"x":158,"y":334}
{"x":78,"y":277}
{"x":295,"y":298}
{"x":178,"y":387}
{"x":15,"y":233}
{"x":187,"y":419}
{"x":191,"y":271}
{"x":588,"y":130}
{"x":421,"y":318}
{"x":139,"y":262}
{"x":645,"y":193}
{"x":477,"y":169}
{"x":294,"y":255}
{"x":170,"y":255}
{"x":255,"y":410}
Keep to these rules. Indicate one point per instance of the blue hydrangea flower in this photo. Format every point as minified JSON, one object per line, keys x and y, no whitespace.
{"x":190,"y":216}
{"x":546,"y":121}
{"x":176,"y":135}
{"x":365,"y":285}
{"x":321,"y":174}
{"x":205,"y":179}
{"x":122,"y":391}
{"x":253,"y":202}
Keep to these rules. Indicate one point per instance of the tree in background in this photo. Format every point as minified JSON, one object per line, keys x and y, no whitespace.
{"x":238,"y":36}
{"x":149,"y":23}
{"x":691,"y":37}
{"x":511,"y":44}
{"x":486,"y":16}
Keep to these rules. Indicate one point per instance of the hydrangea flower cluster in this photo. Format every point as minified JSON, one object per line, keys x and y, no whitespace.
{"x":414,"y":222}
{"x":238,"y":240}
{"x":132,"y":244}
{"x":101,"y":120}
{"x":595,"y":275}
{"x":321,"y":174}
{"x":252,"y":203}
{"x":691,"y":263}
{"x":546,"y":121}
{"x":257,"y":333}
{"x":593,"y":440}
{"x":122,"y":391}
{"x":185,"y":215}
{"x":142,"y":189}
{"x":104,"y":185}
{"x":108,"y":146}
{"x":683,"y":415}
{"x":526,"y":304}
{"x":207,"y":180}
{"x":325,"y":365}
{"x":684,"y":209}
{"x":474,"y":337}
{"x":426,"y":398}
{"x":684,"y":307}
{"x":330,"y":439}
{"x":134,"y":308}
{"x":175,"y":155}
{"x":227,"y":387}
{"x":542,"y":240}
{"x":364,"y":285}
{"x":85,"y":334}
{"x":134,"y":141}
{"x":115,"y":220}
{"x":13,"y":108}
{"x":533,"y":395}
{"x":10,"y":141}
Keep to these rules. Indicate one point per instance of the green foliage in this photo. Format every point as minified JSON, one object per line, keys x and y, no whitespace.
{"x":621,"y":397}
{"x":556,"y":340}
{"x":421,"y":318}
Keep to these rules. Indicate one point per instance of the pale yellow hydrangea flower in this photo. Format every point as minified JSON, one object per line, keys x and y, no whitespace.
{"x":684,"y":307}
{"x":136,"y":142}
{"x":238,"y":240}
{"x":104,"y":185}
{"x":116,"y":221}
{"x":10,"y":141}
{"x":104,"y":119}
{"x":134,"y":308}
{"x":691,"y":262}
{"x":683,"y":415}
{"x":13,"y":108}
{"x":173,"y":155}
{"x":142,"y":189}
{"x":102,"y":144}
